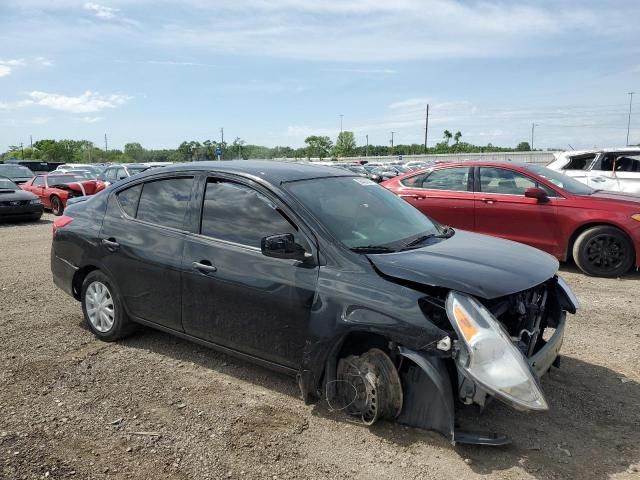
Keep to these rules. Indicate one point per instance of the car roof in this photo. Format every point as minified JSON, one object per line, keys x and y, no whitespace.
{"x":274,"y":172}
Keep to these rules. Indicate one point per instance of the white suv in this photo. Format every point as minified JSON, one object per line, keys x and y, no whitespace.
{"x":608,"y":169}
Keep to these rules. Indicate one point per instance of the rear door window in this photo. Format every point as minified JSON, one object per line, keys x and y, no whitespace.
{"x":165,"y":202}
{"x":454,"y":179}
{"x":237,"y":213}
{"x":129,"y":199}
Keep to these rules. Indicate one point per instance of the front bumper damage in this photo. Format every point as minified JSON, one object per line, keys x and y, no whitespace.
{"x":429,"y":399}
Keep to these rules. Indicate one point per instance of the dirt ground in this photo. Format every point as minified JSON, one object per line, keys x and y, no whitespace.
{"x":154,"y":406}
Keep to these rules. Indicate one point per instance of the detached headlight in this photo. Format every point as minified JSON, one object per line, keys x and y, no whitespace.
{"x":35,"y":201}
{"x":489,"y":357}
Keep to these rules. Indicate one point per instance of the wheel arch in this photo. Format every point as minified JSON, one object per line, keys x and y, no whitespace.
{"x":78,"y":279}
{"x":586,"y":226}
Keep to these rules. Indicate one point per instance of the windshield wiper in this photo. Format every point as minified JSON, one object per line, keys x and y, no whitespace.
{"x":446,"y":233}
{"x":372,"y":249}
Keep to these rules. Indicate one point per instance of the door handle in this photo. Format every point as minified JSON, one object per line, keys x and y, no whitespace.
{"x":110,"y":244}
{"x":204,"y":267}
{"x":598,"y":179}
{"x":410,"y":195}
{"x":490,"y":201}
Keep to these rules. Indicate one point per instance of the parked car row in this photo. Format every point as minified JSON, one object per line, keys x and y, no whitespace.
{"x":66,"y":184}
{"x":323,"y":274}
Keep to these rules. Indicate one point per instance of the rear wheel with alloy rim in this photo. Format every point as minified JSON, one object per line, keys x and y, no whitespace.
{"x":603,"y":251}
{"x":103,"y":309}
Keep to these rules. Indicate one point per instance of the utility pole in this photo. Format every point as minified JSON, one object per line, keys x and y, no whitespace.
{"x":106,"y":145}
{"x":341,"y":117}
{"x":22,"y":150}
{"x":533,"y":127}
{"x":221,"y":143}
{"x":426,"y":129}
{"x":392,"y":142}
{"x":31,"y":141}
{"x":366,"y":151}
{"x":629,"y":119}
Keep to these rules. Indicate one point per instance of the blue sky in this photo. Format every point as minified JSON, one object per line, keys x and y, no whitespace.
{"x":274,"y":72}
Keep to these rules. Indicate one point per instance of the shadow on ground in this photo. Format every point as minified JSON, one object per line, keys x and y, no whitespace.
{"x":593,"y":415}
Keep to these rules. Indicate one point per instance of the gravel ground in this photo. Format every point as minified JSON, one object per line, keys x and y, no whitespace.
{"x":154,"y":406}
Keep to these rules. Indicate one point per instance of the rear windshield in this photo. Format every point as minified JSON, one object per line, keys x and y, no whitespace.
{"x":134,"y":170}
{"x":15,"y":171}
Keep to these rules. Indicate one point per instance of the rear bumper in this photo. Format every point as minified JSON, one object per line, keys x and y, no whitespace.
{"x":63,"y":273}
{"x":542,"y":360}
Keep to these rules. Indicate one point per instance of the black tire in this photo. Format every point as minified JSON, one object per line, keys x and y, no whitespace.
{"x":121,"y":326}
{"x":603,"y":251}
{"x":56,"y":206}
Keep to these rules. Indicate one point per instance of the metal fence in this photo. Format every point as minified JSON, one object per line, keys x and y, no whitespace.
{"x":521,"y":157}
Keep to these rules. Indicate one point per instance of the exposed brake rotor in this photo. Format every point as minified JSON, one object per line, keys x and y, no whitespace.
{"x":369,"y":386}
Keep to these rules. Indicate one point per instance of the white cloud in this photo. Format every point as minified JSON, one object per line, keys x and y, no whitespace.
{"x":101,"y":11}
{"x":7,"y":66}
{"x":88,"y":102}
{"x":90,"y":119}
{"x":109,"y":14}
{"x":44,"y":62}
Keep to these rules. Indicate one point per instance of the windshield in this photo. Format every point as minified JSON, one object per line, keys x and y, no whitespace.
{"x":360,"y":213}
{"x":6,"y":184}
{"x":58,"y":179}
{"x":561,"y":180}
{"x":13,"y":171}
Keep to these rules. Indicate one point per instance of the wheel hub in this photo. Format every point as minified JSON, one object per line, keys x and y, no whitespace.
{"x":369,"y":386}
{"x":100,"y":308}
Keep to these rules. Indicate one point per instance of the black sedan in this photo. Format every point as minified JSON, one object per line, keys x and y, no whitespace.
{"x":16,"y":173}
{"x":322,"y":274}
{"x":16,"y":204}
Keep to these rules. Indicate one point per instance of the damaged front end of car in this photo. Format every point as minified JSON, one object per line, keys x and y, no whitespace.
{"x":496,"y":348}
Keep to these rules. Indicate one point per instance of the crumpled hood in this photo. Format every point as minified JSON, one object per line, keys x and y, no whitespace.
{"x":480,"y":265}
{"x":90,"y":186}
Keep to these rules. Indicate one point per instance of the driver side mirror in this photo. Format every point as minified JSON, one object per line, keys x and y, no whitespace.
{"x":538,"y":193}
{"x":282,"y":246}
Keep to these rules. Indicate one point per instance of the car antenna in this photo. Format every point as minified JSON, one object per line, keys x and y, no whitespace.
{"x":570,"y":146}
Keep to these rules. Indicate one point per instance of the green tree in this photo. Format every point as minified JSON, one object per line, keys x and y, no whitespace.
{"x":318,"y":146}
{"x":134,"y":151}
{"x":523,"y":147}
{"x":457,"y":137}
{"x":237,"y":145}
{"x":345,"y":144}
{"x":447,"y":136}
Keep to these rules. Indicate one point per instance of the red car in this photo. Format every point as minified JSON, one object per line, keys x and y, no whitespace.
{"x":54,"y":190}
{"x":531,"y":204}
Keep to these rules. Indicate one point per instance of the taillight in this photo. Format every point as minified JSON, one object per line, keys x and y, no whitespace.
{"x":60,"y":222}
